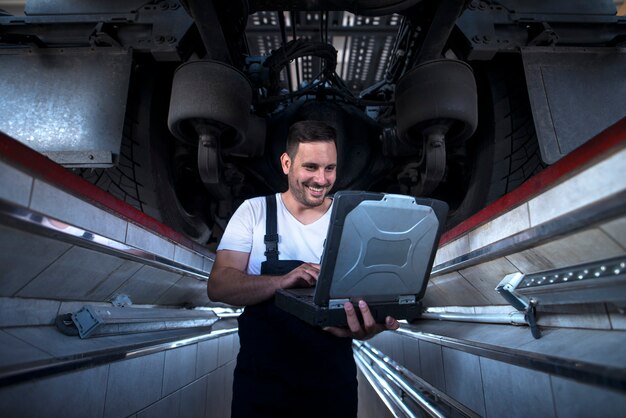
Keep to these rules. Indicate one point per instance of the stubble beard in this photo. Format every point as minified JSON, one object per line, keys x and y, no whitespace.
{"x":299,"y":191}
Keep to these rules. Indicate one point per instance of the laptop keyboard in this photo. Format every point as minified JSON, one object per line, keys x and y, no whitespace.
{"x":303,"y":294}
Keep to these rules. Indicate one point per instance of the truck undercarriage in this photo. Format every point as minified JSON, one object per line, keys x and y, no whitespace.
{"x":181,"y":109}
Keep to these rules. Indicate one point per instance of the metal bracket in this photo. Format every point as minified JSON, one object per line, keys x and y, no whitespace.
{"x":86,"y":320}
{"x":546,"y":36}
{"x":531,"y":318}
{"x":337,"y":303}
{"x":208,"y":155}
{"x":100,"y":37}
{"x":506,"y":288}
{"x":406,"y":299}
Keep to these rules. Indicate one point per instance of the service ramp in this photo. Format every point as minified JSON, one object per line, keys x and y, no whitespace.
{"x":525,"y":308}
{"x":104,"y":311}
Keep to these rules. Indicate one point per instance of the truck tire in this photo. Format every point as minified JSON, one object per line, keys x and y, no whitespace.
{"x":155,"y":173}
{"x":504,"y":152}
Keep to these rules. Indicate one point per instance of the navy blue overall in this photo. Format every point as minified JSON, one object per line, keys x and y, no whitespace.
{"x":285,"y":367}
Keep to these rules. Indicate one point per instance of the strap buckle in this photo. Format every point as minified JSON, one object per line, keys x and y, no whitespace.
{"x":271,"y":244}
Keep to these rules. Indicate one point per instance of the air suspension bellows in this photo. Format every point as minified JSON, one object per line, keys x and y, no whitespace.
{"x":436,"y":104}
{"x":439,"y":93}
{"x":210,"y":108}
{"x":209,"y":93}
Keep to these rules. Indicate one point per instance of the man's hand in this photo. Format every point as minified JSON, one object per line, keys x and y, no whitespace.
{"x":304,"y":275}
{"x":230,"y":284}
{"x":364,"y":331}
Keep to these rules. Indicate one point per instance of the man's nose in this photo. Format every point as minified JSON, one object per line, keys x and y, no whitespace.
{"x":320,"y":176}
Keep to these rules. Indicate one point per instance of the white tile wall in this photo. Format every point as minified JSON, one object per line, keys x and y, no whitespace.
{"x":486,"y":276}
{"x":180,"y":368}
{"x":578,"y":400}
{"x":193,"y":399}
{"x":23,"y":256}
{"x":601,"y":180}
{"x":187,"y":257}
{"x":106,"y":290}
{"x":65,"y":207}
{"x":186,"y":291}
{"x":219,"y":392}
{"x":452,"y":250}
{"x":616,"y":229}
{"x":148,"y":284}
{"x":78,"y":394}
{"x":167,"y":407}
{"x":510,"y":223}
{"x":431,"y":364}
{"x":13,"y":351}
{"x":133,"y":384}
{"x":52,"y":341}
{"x":455,"y":290}
{"x":410,"y":346}
{"x":586,"y":246}
{"x":72,"y":276}
{"x":515,"y":392}
{"x":141,"y":238}
{"x":598,"y":347}
{"x":22,"y":189}
{"x":206,"y":361}
{"x":173,"y":383}
{"x":18,"y":312}
{"x":593,"y":316}
{"x":463,"y":378}
{"x":226,"y":350}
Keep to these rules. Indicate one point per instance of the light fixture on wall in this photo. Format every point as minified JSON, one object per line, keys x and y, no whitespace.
{"x":595,"y":282}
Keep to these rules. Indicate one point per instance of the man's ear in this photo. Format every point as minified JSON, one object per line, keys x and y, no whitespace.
{"x":285,"y":162}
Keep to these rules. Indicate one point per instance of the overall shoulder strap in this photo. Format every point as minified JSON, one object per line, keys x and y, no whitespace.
{"x":271,"y":229}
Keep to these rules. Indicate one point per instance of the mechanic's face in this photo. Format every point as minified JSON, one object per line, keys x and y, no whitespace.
{"x":312,"y":172}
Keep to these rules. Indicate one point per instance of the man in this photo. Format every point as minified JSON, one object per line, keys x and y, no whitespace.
{"x":286,"y":367}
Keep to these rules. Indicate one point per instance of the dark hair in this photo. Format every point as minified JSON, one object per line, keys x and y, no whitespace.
{"x":309,"y":131}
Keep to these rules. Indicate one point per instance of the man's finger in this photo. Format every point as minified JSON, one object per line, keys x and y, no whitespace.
{"x":310,"y":270}
{"x":391,"y":323}
{"x":369,"y":323}
{"x":353,"y":320}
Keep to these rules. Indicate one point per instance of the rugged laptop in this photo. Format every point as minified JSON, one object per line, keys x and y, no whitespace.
{"x":379,"y":248}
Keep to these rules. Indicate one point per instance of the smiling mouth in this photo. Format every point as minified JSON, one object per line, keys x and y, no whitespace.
{"x":315,"y":189}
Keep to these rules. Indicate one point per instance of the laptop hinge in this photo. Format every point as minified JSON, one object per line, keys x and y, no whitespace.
{"x":406,"y":299}
{"x":337,"y":303}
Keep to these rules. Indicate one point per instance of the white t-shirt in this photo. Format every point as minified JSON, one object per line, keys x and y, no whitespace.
{"x":245,"y":232}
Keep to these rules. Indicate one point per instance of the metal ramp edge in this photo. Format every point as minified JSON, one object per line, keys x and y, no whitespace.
{"x":64,"y":239}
